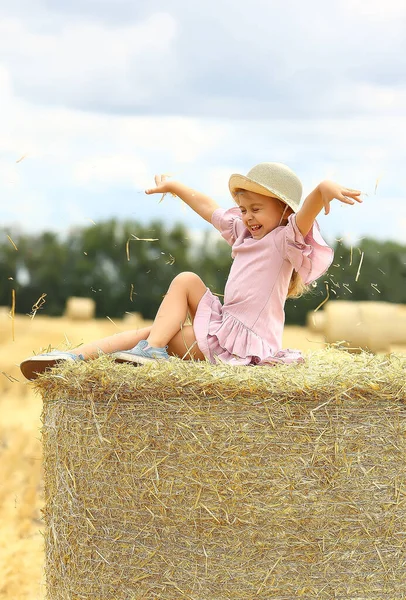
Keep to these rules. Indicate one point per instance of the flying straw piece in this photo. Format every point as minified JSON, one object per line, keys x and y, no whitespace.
{"x":144,"y":239}
{"x":21,"y":158}
{"x":127,"y":246}
{"x":376,"y":183}
{"x":39,"y":304}
{"x":9,"y":377}
{"x":13,"y":312}
{"x":171,"y":260}
{"x":351,"y":255}
{"x":325,"y":299}
{"x":10,"y":240}
{"x":375,"y":286}
{"x":132,"y":292}
{"x":359,"y":266}
{"x":111,"y":321}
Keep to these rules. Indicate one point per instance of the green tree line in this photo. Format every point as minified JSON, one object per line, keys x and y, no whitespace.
{"x":127,"y":267}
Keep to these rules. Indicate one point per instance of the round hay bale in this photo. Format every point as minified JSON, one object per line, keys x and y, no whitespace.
{"x":398,"y":326}
{"x":80,"y":309}
{"x":316,"y":321}
{"x":380,"y":322}
{"x":368,"y":325}
{"x":343,"y":323}
{"x":188,"y":480}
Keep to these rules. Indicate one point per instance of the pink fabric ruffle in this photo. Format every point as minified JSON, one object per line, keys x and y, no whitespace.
{"x":222,"y":337}
{"x":310,"y":256}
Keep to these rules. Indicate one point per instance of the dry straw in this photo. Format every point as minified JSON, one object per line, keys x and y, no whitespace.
{"x":187,"y":480}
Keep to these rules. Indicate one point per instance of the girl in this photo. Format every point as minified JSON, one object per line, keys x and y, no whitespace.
{"x":277,"y":251}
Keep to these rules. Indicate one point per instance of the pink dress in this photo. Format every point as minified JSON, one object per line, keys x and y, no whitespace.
{"x":247,"y":329}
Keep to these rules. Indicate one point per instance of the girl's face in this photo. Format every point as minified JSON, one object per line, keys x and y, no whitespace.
{"x":261,"y":214}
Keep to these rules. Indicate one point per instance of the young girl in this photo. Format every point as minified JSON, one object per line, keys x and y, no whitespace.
{"x":277,"y":250}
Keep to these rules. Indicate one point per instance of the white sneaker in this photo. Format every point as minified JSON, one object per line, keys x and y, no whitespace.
{"x":35,"y":365}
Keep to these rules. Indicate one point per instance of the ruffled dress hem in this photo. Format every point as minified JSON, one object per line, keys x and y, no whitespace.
{"x":222,"y":337}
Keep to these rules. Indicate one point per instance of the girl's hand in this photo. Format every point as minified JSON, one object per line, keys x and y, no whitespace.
{"x":330,"y":190}
{"x":162,"y":186}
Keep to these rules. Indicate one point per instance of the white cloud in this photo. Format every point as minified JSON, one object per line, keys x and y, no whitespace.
{"x":380,"y":99}
{"x":83,"y":62}
{"x":113,"y":170}
{"x":376,"y":9}
{"x":79,"y":162}
{"x":335,"y":58}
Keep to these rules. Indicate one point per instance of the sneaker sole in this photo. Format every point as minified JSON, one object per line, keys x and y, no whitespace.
{"x":32,"y":367}
{"x":133,"y":360}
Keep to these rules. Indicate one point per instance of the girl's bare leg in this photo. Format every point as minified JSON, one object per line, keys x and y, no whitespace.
{"x":183,"y":296}
{"x":113,"y":343}
{"x":184,"y":345}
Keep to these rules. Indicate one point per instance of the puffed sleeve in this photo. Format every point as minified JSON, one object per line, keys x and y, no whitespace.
{"x":310,"y":256}
{"x":229,"y":223}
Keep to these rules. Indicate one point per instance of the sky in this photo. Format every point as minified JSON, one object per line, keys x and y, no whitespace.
{"x":96,"y":96}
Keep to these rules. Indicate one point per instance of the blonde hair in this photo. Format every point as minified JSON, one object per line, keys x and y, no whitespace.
{"x":296,"y":285}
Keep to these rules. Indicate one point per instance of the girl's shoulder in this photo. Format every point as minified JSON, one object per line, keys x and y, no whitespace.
{"x":229,"y":223}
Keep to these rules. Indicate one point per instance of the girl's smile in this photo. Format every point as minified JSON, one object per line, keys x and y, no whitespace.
{"x":261,"y":214}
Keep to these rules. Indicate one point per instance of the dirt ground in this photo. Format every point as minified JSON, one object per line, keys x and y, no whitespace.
{"x":21,"y":542}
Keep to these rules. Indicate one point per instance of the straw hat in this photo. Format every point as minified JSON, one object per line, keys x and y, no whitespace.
{"x":270,"y":179}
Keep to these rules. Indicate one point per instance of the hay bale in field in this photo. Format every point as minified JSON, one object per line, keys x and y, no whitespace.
{"x":80,"y":309}
{"x":188,"y":480}
{"x":398,"y":327}
{"x":379,"y":319}
{"x":343,"y":324}
{"x":373,"y":326}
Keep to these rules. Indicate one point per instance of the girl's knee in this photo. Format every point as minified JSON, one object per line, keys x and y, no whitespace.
{"x":186,"y":278}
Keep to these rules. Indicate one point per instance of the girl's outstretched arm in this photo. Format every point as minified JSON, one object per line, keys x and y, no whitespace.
{"x":321,"y":197}
{"x":201,"y":204}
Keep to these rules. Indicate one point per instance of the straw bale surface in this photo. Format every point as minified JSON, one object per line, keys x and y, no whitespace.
{"x":188,"y":480}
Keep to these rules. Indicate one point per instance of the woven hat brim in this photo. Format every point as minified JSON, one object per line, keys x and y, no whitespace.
{"x":237,"y":181}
